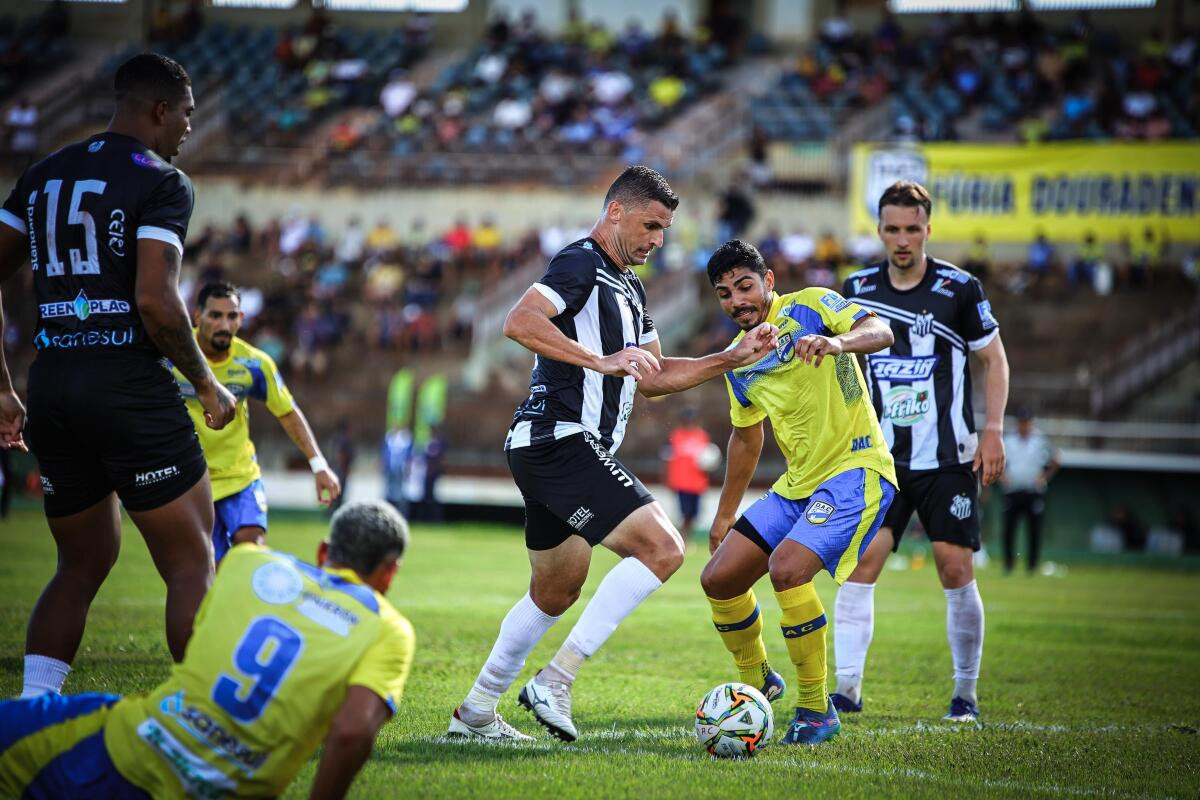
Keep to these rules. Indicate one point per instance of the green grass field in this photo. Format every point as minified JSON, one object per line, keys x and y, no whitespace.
{"x":1090,"y":684}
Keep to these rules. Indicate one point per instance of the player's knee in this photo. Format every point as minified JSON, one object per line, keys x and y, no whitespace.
{"x":956,"y":573}
{"x":554,"y":600}
{"x":788,"y":573}
{"x":665,"y":559}
{"x":717,"y":583}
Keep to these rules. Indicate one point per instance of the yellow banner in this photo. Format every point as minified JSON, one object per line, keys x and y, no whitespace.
{"x":1010,"y":193}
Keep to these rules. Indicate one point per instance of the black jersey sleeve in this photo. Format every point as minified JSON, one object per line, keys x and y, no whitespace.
{"x":975,"y":319}
{"x":569,"y":279}
{"x":13,"y":212}
{"x":167,"y":210}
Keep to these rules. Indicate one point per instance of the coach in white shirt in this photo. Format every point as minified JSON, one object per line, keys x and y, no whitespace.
{"x":1032,"y":461}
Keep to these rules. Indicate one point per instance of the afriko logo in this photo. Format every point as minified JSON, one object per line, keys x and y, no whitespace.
{"x":905,"y":406}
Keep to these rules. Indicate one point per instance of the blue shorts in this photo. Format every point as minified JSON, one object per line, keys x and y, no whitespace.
{"x":245,"y":509}
{"x":52,"y":746}
{"x":689,"y":504}
{"x":837,"y":522}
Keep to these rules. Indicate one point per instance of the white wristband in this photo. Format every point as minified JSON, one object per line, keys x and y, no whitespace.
{"x":318,"y":464}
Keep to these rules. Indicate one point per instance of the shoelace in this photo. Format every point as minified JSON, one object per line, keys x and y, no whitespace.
{"x":505,"y":728}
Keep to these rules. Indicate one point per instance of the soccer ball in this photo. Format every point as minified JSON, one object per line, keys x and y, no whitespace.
{"x":734,"y":721}
{"x":709,"y":458}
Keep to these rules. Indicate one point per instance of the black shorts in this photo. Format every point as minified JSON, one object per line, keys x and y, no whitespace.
{"x":946,"y":501}
{"x":109,"y":422}
{"x":573,"y":487}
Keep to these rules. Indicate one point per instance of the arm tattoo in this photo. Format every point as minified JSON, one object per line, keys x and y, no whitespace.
{"x":172,"y":332}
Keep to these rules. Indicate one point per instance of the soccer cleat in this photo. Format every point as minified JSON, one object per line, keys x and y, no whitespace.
{"x":773,"y":687}
{"x":813,"y":727}
{"x":550,"y":703}
{"x":845,"y":704}
{"x":496,"y":730}
{"x":962,"y":711}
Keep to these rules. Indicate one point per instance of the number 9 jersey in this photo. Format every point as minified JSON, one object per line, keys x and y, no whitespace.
{"x":84,"y":209}
{"x":277,"y":643}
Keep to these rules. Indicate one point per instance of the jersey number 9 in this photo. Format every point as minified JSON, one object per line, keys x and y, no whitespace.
{"x":266,"y":652}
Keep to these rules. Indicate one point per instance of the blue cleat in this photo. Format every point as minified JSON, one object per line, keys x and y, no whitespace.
{"x":773,"y":687}
{"x":962,"y":711}
{"x":813,"y":727}
{"x":845,"y":704}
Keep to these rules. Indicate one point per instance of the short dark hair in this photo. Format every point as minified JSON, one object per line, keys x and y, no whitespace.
{"x":907,"y":193}
{"x":217,"y":289}
{"x":733,"y":254}
{"x":638,"y":185}
{"x":151,"y":78}
{"x":363,"y":534}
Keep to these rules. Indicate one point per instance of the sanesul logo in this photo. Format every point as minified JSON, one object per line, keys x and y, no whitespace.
{"x":119,"y":337}
{"x":900,"y":369}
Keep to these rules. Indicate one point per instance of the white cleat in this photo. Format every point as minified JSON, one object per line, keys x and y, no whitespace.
{"x":550,"y":702}
{"x":496,"y":730}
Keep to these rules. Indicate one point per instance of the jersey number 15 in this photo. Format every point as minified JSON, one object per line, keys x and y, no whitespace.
{"x":88,"y":262}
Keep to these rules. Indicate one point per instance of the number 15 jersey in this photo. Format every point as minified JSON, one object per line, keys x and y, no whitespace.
{"x":277,"y":642}
{"x":84,"y":208}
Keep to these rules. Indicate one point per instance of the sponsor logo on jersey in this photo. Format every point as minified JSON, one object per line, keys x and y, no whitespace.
{"x":33,"y":248}
{"x":905,"y":406}
{"x":327,"y":614}
{"x":537,"y":388}
{"x":581,"y":517}
{"x":276,"y":583}
{"x":835,"y":302}
{"x":818,"y":512}
{"x":94,"y":147}
{"x":47,"y":486}
{"x":922,"y":325}
{"x":863,"y":286}
{"x":199,"y":778}
{"x":985,"y":315}
{"x":116,"y":232}
{"x":902,"y":369}
{"x":145,"y":161}
{"x":940,"y":285}
{"x":155,"y":475}
{"x":860,"y":443}
{"x":120,"y":337}
{"x":958,"y":276}
{"x":960,"y":507}
{"x":82,"y":307}
{"x":212,"y":733}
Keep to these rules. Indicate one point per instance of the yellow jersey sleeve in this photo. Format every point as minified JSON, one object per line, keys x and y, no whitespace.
{"x":742,"y":412}
{"x":838,"y":313}
{"x":385,"y":666}
{"x":279,"y":400}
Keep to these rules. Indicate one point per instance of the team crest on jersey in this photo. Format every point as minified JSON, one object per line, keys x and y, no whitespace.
{"x":785,"y":347}
{"x":818,"y":512}
{"x":922,"y":325}
{"x":960,"y":507}
{"x":277,"y":583}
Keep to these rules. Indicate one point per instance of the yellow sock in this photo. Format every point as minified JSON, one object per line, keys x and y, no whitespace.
{"x":740,"y":626}
{"x":803,"y":626}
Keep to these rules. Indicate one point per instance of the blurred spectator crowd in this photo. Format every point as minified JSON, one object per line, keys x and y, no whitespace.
{"x":973,"y":76}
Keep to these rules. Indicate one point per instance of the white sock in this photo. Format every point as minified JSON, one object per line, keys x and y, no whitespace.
{"x":622,"y":590}
{"x":853,"y":626}
{"x":44,"y":674}
{"x":964,"y":630}
{"x":523,"y":627}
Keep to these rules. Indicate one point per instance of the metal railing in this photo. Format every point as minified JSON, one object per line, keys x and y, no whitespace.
{"x":1146,"y":360}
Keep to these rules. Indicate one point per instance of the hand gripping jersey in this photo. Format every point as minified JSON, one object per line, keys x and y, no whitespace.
{"x":247,"y":373}
{"x":921,"y":386}
{"x":821,"y":418}
{"x":603,"y":307}
{"x":84,"y":209}
{"x":276,"y":644}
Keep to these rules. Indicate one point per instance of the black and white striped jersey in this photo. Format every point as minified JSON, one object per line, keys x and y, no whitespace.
{"x":921,"y":385}
{"x":603,"y":307}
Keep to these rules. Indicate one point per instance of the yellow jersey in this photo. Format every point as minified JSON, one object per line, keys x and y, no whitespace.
{"x":822,"y":416}
{"x":246,"y":372}
{"x":276,"y":644}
